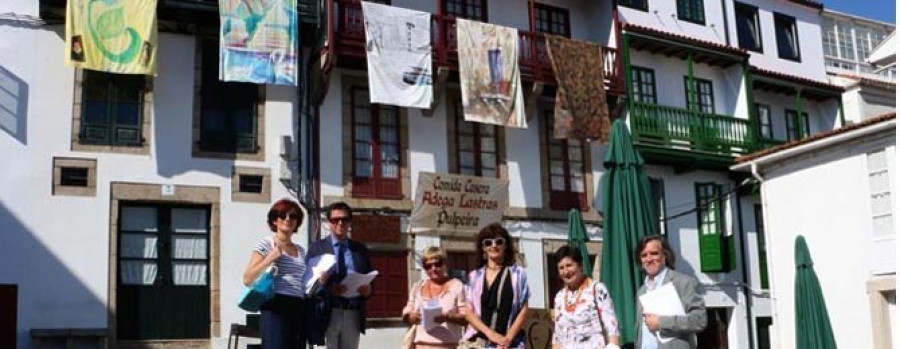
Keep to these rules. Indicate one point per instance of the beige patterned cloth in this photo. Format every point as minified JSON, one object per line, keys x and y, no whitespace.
{"x":581,"y":111}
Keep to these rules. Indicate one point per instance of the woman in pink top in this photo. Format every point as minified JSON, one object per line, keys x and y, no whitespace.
{"x":451,"y":295}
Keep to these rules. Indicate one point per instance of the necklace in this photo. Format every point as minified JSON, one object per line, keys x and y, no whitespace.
{"x":570,"y":304}
{"x":493,"y":268}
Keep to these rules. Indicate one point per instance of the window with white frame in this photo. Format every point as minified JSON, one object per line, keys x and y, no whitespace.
{"x":880,"y":194}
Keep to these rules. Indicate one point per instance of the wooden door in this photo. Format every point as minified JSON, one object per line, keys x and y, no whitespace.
{"x":163,"y":272}
{"x":390,"y":286}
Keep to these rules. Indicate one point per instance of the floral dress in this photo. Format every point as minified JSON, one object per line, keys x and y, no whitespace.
{"x":582,"y":316}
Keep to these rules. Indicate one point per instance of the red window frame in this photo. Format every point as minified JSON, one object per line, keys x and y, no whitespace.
{"x":478,"y":131}
{"x":391,"y":290}
{"x":375,"y":185}
{"x":469,"y":8}
{"x":567,"y":198}
{"x":552,"y":20}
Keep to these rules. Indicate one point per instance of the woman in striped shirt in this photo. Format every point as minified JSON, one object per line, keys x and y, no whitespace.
{"x":282,"y":317}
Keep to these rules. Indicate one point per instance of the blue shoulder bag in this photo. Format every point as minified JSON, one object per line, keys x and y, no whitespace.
{"x":260,"y":291}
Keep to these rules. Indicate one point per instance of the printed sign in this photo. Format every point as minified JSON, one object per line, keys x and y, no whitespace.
{"x":456,"y":203}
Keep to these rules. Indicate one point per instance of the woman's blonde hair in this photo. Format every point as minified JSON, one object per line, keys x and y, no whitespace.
{"x":432,"y":252}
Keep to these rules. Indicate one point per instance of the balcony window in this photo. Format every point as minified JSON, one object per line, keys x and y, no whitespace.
{"x":476,"y":146}
{"x":376,"y":147}
{"x":228,"y":110}
{"x":643,"y":81}
{"x":691,"y":11}
{"x":791,"y":121}
{"x":468,"y":9}
{"x":747,"y":18}
{"x":786,"y":34}
{"x":658,"y":192}
{"x":567,"y":177}
{"x":764,"y":114}
{"x":551,"y":20}
{"x":635,"y":4}
{"x":700,"y":98}
{"x":112,"y":108}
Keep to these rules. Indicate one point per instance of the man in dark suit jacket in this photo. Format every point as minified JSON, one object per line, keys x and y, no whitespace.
{"x":658,"y":260}
{"x":345,"y":316}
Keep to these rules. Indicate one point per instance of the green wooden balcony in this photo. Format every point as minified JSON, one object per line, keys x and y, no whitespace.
{"x":690,"y":132}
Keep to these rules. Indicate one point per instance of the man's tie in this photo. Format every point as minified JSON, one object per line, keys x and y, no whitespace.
{"x":341,"y":265}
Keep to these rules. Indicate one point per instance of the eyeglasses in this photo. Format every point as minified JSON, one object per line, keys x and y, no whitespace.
{"x":287,"y":216}
{"x":338,"y":220}
{"x":437,"y":264}
{"x":493,"y":242}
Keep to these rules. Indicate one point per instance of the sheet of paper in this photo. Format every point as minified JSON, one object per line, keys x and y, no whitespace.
{"x":663,"y":301}
{"x":316,"y":267}
{"x":430,"y":310}
{"x":354,"y":280}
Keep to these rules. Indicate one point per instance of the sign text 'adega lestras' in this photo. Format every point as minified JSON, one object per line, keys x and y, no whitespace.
{"x":457,"y":203}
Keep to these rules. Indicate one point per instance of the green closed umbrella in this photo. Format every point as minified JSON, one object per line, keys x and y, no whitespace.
{"x":813,"y":326}
{"x":578,"y":239}
{"x":628,"y":216}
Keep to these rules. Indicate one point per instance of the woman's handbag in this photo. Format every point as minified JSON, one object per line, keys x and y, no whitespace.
{"x":410,"y":338}
{"x":260,"y":291}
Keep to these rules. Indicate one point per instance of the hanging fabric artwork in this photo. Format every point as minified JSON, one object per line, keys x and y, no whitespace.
{"x":489,"y":73}
{"x":398,"y":53}
{"x":258,"y":41}
{"x":581,"y":111}
{"x":116,"y":36}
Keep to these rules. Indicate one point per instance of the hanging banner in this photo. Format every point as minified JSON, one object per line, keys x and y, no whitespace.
{"x":116,"y":36}
{"x":398,"y":53}
{"x":258,"y":41}
{"x":489,"y":73}
{"x":453,"y":203}
{"x":581,"y":110}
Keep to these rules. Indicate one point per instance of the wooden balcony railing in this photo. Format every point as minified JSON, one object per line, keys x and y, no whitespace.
{"x":681,"y":128}
{"x":534,"y":63}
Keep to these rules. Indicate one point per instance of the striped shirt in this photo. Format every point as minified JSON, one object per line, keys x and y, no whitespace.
{"x":290,"y":269}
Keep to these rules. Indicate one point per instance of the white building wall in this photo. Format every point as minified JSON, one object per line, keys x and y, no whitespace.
{"x":60,"y":244}
{"x":835,"y":218}
{"x":663,"y":15}
{"x":812,"y":61}
{"x":823,"y":116}
{"x":19,"y":7}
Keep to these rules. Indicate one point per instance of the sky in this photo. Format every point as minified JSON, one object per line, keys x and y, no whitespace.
{"x":881,"y":10}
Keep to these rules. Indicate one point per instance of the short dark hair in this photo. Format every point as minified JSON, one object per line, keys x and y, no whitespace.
{"x":280,"y":208}
{"x":495,"y":230}
{"x":568,"y":251}
{"x":666,"y":249}
{"x":339,"y":206}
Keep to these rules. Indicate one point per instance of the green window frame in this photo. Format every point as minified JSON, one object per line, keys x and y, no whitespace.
{"x":761,"y":247}
{"x":643,"y":81}
{"x":635,"y":4}
{"x":764,"y":115}
{"x":701,"y":98}
{"x":691,"y":11}
{"x":715,"y":254}
{"x":228,"y":110}
{"x":747,"y":20}
{"x":658,"y":192}
{"x":791,"y":120}
{"x":112,"y":109}
{"x":787,"y":37}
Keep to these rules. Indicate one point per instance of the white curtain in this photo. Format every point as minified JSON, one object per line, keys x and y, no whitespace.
{"x":189,"y":273}
{"x":189,"y":247}
{"x":138,"y":272}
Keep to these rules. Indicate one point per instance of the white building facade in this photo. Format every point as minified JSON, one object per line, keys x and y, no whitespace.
{"x":848,"y":224}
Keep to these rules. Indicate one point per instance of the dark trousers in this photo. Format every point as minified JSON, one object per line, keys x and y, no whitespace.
{"x":281,"y":323}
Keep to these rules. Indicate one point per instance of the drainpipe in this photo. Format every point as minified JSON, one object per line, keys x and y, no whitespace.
{"x":841,"y":109}
{"x":799,"y":115}
{"x":744,"y":274}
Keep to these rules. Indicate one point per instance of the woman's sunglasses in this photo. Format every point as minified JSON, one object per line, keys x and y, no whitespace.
{"x":437,"y":264}
{"x":287,"y":216}
{"x":493,"y":242}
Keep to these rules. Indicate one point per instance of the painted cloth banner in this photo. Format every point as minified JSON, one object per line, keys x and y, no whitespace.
{"x":258,"y":41}
{"x":489,"y":73}
{"x":456,"y":203}
{"x":398,"y":53}
{"x":581,"y":110}
{"x":116,"y":36}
